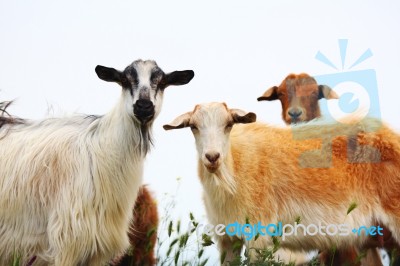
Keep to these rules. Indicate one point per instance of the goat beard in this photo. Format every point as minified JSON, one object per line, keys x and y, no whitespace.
{"x":223,"y":178}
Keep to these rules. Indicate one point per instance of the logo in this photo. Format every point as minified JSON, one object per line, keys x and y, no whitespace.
{"x":249,"y":231}
{"x":359,"y":98}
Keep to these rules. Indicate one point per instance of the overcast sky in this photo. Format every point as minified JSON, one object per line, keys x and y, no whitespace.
{"x":237,"y":49}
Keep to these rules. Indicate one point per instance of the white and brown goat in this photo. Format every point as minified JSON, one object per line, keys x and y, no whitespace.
{"x":253,"y":171}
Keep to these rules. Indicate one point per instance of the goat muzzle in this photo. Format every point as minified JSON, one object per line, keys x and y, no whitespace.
{"x":143,"y":110}
{"x":212,"y":161}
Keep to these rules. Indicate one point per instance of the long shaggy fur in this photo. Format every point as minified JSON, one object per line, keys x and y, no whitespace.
{"x":67,"y":186}
{"x":142,"y":232}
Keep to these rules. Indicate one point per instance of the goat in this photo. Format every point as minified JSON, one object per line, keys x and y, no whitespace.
{"x":299,"y":95}
{"x":253,"y":170}
{"x":67,"y":185}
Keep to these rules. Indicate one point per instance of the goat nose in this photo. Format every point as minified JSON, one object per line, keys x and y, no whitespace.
{"x":294,"y":112}
{"x":212,"y":157}
{"x":144,"y":104}
{"x":144,"y":110}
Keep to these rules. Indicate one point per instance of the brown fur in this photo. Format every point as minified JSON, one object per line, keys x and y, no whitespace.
{"x":142,"y":233}
{"x":339,"y":258}
{"x":370,"y":175}
{"x":367,"y":179}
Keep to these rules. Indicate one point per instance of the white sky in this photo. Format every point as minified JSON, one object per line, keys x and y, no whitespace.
{"x":238,"y":49}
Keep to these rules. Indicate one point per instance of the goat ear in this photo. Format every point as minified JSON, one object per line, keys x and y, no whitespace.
{"x":270,"y":95}
{"x":108,"y":73}
{"x":240,"y":116}
{"x":179,"y":122}
{"x":326,"y":92}
{"x":178,"y":78}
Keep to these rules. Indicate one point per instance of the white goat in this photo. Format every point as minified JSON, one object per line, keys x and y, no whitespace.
{"x":67,"y":185}
{"x":254,"y":171}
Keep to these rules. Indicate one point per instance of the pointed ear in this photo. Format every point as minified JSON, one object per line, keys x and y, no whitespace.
{"x":240,"y":116}
{"x":270,"y":95}
{"x":178,"y":78}
{"x":108,"y":74}
{"x":179,"y":122}
{"x":326,"y":92}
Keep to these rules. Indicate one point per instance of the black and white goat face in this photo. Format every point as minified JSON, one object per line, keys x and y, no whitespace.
{"x":143,"y":84}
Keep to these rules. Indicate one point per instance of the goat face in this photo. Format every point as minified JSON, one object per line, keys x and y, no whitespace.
{"x":211,"y":125}
{"x":143,"y":84}
{"x":299,"y":95}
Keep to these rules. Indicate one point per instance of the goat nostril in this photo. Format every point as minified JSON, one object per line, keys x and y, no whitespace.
{"x":143,"y":110}
{"x":294,"y":113}
{"x":144,"y":104}
{"x":212,"y":157}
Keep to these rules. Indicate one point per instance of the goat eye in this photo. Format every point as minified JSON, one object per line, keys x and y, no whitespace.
{"x":193,"y":127}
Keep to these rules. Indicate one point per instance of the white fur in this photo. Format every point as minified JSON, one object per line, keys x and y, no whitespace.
{"x":67,"y":185}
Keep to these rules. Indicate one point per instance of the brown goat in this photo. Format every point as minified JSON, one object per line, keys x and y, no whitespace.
{"x":142,"y":232}
{"x":299,"y":95}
